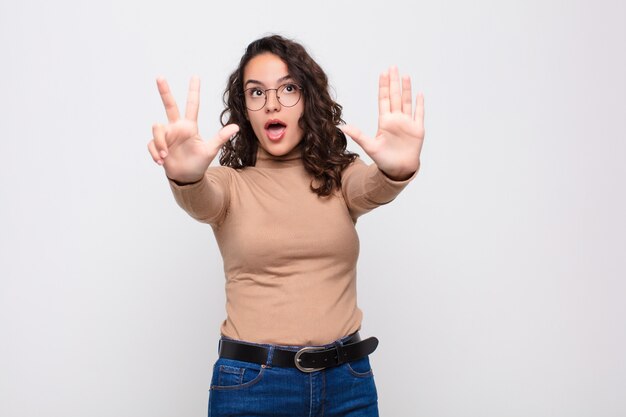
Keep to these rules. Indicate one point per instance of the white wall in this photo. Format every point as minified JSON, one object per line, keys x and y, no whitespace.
{"x":495,"y":282}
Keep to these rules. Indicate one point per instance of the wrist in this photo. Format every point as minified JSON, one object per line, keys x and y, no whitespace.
{"x":400,"y":175}
{"x":186,"y":182}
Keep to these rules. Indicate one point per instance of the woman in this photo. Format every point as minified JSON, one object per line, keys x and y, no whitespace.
{"x":283,"y":206}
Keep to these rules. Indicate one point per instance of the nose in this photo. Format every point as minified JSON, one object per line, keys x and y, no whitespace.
{"x":272,"y":103}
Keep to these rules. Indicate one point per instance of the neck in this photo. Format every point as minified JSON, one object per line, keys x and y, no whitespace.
{"x":265,"y":159}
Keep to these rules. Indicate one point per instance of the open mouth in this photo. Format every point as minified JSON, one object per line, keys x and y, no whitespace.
{"x":275,"y":129}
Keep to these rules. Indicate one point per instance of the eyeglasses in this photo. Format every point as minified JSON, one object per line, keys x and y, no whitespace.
{"x":288,"y":95}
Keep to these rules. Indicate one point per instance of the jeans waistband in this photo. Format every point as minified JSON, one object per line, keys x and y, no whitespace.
{"x":294,"y":348}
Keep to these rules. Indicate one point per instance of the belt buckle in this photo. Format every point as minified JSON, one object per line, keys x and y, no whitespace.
{"x":299,"y":353}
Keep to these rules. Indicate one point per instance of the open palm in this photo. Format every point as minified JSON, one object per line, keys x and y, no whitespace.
{"x":398,"y":142}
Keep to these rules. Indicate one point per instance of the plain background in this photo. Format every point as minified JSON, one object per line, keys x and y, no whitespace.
{"x":495,"y":281}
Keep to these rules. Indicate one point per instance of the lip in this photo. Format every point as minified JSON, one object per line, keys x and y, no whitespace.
{"x":271,"y":137}
{"x":273,"y":121}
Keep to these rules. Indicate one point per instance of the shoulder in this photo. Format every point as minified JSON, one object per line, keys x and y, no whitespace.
{"x":234,"y":176}
{"x":221,"y":172}
{"x":356,"y":168}
{"x":353,"y":166}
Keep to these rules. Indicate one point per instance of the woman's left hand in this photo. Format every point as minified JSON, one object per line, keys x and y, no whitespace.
{"x":398,"y":143}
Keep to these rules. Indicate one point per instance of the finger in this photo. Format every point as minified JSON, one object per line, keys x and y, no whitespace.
{"x":407,"y":100}
{"x":356,"y":134}
{"x":419,"y":109}
{"x":158,"y":133}
{"x":395,"y":98}
{"x":171,"y":109}
{"x":225,"y":134}
{"x":154,"y":153}
{"x":193,"y":99}
{"x":383,"y":93}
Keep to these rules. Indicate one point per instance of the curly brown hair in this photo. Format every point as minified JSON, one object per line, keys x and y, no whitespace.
{"x":323,"y":145}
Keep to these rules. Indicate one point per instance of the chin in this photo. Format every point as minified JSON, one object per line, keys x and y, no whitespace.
{"x":278,"y":149}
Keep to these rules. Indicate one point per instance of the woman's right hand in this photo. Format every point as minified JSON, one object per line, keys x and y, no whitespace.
{"x":177,"y":146}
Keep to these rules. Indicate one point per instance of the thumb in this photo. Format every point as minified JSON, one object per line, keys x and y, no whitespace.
{"x":225,"y":133}
{"x":356,"y":134}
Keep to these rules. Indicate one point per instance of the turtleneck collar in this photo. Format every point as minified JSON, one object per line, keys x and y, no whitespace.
{"x":265,"y":159}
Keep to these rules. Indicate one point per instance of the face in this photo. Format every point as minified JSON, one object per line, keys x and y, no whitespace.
{"x":275,"y":125}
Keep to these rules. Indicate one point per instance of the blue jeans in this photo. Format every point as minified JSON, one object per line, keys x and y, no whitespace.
{"x":248,"y":389}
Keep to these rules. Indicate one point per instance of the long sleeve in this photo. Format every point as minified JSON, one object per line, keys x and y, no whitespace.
{"x":208,"y":199}
{"x":365,"y":187}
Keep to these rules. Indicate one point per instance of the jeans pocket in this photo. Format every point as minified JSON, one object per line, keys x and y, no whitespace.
{"x":360,"y":368}
{"x":231,"y":374}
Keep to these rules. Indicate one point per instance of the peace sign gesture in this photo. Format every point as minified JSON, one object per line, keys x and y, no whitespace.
{"x":178,"y":146}
{"x":398,"y":143}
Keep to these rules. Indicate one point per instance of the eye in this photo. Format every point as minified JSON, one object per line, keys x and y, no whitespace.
{"x":255,"y":92}
{"x":290,"y":88}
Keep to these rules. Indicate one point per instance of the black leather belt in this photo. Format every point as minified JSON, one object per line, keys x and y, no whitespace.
{"x":307,"y":359}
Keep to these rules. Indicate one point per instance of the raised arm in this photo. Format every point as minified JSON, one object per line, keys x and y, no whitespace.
{"x":365,"y":187}
{"x":185,"y":157}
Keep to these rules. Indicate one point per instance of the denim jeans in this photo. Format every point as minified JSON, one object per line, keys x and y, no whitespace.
{"x":248,"y":389}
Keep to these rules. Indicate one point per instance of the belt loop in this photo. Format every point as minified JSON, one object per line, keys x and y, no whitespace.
{"x":340,"y":352}
{"x":270,"y":355}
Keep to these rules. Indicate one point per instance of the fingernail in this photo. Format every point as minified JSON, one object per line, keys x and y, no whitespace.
{"x":160,"y":162}
{"x":163,"y":154}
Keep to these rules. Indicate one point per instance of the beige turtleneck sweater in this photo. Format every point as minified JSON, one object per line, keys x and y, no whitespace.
{"x":289,"y":255}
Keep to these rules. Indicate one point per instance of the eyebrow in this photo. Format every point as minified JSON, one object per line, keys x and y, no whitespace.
{"x":281,"y":79}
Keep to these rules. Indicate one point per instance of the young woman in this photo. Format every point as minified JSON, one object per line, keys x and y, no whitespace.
{"x":283,"y":206}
